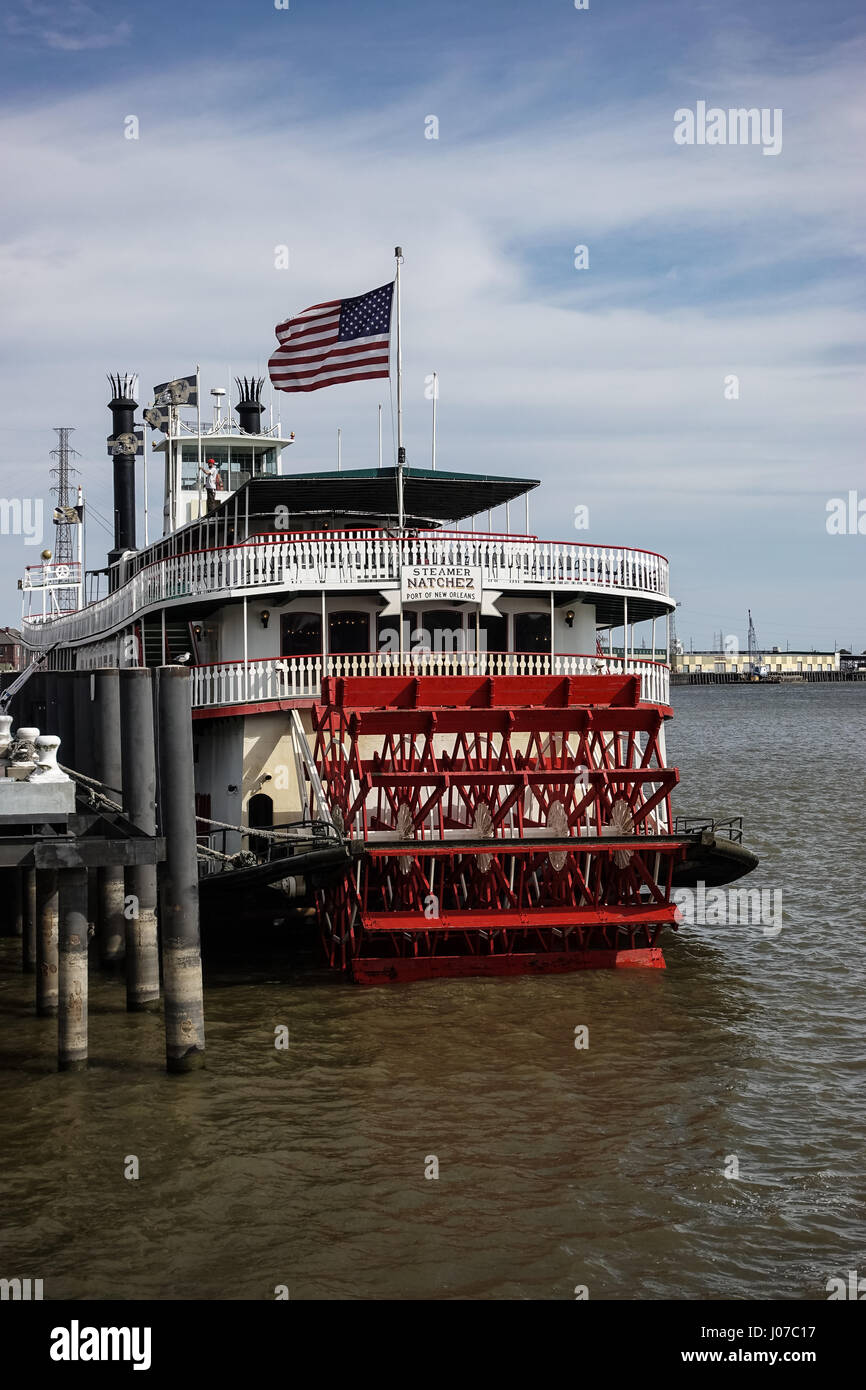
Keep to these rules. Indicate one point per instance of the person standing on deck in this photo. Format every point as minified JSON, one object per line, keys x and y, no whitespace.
{"x":210,"y":473}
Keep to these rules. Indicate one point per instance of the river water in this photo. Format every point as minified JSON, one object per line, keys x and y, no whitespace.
{"x":608,"y":1167}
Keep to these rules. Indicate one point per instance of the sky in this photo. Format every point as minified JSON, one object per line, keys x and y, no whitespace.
{"x":697,"y":386}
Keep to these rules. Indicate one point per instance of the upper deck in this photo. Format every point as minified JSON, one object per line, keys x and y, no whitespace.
{"x":266,"y":565}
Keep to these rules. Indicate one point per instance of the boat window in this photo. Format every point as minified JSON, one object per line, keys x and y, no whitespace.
{"x":265,"y":463}
{"x":348,"y":631}
{"x":532,"y":632}
{"x":300,"y":634}
{"x":493,"y":633}
{"x":189,"y":464}
{"x":447,"y":630}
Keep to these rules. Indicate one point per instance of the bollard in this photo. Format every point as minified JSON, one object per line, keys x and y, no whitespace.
{"x":28,"y":935}
{"x":138,"y":759}
{"x":111,"y":926}
{"x":178,"y":875}
{"x":47,"y":943}
{"x":72,"y":1011}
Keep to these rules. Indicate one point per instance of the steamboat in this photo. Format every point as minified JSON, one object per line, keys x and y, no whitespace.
{"x":432,"y":732}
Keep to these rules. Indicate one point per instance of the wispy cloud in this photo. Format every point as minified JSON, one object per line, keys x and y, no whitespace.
{"x":73,"y":27}
{"x":608,"y":384}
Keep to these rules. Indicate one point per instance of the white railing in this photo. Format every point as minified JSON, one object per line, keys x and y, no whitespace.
{"x":300,"y":677}
{"x":348,"y":560}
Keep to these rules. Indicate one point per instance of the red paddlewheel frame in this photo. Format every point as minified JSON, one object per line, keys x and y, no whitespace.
{"x":504,"y":818}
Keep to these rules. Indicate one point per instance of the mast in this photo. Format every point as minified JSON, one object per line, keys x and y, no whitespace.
{"x":198,"y":433}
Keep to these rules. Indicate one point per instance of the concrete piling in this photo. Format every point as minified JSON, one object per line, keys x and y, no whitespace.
{"x":178,"y":877}
{"x":111,"y":926}
{"x":17,"y":905}
{"x":72,"y":1011}
{"x":28,"y":935}
{"x":138,"y":761}
{"x":47,"y":943}
{"x":11,"y":903}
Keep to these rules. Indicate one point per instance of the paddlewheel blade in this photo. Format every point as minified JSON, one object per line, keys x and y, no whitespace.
{"x":502,"y":825}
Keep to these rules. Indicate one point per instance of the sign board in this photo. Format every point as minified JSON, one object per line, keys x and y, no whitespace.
{"x":440,"y":584}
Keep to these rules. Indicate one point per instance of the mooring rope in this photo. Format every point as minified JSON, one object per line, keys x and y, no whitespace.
{"x":96,"y":798}
{"x":282,"y":835}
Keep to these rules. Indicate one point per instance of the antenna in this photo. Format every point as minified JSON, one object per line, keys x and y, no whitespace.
{"x":217,"y":392}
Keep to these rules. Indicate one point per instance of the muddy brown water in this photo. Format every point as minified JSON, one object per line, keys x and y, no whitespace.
{"x":558,"y":1167}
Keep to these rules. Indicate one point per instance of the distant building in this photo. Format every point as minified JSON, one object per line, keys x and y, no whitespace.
{"x":777,"y":663}
{"x":10,"y":650}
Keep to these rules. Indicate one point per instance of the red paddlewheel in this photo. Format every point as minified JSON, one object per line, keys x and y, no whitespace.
{"x":503,"y":820}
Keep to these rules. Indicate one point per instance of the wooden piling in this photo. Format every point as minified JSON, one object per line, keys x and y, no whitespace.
{"x":111,"y":927}
{"x":179,"y":918}
{"x":47,"y":943}
{"x":72,"y":1011}
{"x":138,"y":759}
{"x":28,"y":935}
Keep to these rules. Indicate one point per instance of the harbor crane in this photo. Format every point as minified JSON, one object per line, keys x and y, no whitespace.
{"x":757,"y":667}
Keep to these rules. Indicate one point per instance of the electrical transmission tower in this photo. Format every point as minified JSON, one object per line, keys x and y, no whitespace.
{"x":65,"y":545}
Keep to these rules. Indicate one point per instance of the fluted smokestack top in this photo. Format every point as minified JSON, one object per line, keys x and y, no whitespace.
{"x":124,"y":386}
{"x":249,"y":406}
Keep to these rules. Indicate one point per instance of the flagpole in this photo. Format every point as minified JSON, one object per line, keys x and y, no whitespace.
{"x":401,"y":452}
{"x":144,"y":480}
{"x":198,"y":429}
{"x":380,"y":434}
{"x":435,"y":392}
{"x":168,"y":454}
{"x":81,"y":585}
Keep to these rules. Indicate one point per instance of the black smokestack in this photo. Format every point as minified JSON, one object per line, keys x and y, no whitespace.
{"x":122,"y":407}
{"x":249,"y":406}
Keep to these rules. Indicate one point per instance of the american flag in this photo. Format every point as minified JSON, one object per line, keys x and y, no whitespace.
{"x":342,"y":340}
